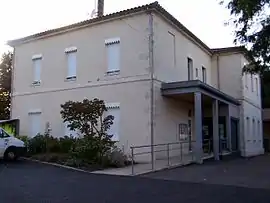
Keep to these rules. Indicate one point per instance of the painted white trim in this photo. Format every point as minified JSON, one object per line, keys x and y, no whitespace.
{"x":112,"y":41}
{"x":70,"y":49}
{"x":112,"y":105}
{"x":37,"y":56}
{"x":34,"y":111}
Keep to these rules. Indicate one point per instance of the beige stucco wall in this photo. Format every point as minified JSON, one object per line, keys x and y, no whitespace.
{"x":91,"y":55}
{"x":252,"y":142}
{"x":230,"y":76}
{"x":165,"y":70}
{"x":132,"y":97}
{"x":254,"y":96}
{"x":169,"y":113}
{"x":130,"y":87}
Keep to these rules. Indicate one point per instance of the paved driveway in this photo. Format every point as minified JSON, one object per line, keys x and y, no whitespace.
{"x":27,"y":182}
{"x":251,"y":173}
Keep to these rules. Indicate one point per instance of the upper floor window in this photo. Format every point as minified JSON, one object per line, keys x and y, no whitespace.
{"x":259,"y":128}
{"x":253,"y":128}
{"x":247,"y":127}
{"x":113,"y":55}
{"x":197,"y":73}
{"x":256,"y":86}
{"x":37,"y":69}
{"x":204,"y":76}
{"x":172,"y":48}
{"x":190,"y":68}
{"x":71,"y":54}
{"x":252,"y":83}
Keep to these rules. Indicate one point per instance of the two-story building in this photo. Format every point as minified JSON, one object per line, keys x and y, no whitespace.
{"x":160,"y":82}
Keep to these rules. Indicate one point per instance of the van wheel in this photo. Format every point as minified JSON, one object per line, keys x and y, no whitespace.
{"x":10,"y":154}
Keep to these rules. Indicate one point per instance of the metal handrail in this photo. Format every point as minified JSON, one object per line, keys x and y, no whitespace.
{"x":163,"y":144}
{"x":167,"y":145}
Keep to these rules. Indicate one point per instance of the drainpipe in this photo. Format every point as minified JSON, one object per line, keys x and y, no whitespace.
{"x":12,"y":82}
{"x":151,"y":70}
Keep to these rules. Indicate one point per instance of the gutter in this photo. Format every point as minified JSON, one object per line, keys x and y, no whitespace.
{"x":151,"y":71}
{"x":12,"y":82}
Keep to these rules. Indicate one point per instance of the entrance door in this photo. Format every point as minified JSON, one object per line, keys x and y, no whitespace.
{"x":234,"y":134}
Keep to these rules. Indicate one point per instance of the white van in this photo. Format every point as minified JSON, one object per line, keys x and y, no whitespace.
{"x":10,"y":147}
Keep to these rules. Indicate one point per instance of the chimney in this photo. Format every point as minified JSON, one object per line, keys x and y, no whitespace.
{"x":100,"y":8}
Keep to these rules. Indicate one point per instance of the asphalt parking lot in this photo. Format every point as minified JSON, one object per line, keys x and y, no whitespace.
{"x":29,"y":182}
{"x":251,"y":173}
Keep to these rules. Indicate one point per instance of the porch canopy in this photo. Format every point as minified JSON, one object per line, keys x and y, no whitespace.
{"x":196,"y":92}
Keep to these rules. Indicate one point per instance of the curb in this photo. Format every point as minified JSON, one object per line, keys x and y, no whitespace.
{"x":57,"y":165}
{"x":163,"y":169}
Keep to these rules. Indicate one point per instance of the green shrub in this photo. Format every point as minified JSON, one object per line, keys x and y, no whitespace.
{"x":37,"y":144}
{"x":91,"y":149}
{"x":66,"y":144}
{"x":116,"y":158}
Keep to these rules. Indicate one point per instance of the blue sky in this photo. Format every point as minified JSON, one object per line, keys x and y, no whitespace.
{"x":19,"y":18}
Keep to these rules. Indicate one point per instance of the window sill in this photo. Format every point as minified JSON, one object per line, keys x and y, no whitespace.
{"x":69,"y":79}
{"x":111,"y":73}
{"x":36,"y":83}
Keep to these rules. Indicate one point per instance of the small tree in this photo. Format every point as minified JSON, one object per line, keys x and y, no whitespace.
{"x":87,"y":117}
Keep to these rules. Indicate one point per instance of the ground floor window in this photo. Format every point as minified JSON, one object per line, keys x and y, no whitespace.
{"x":114,"y":110}
{"x":35,"y":123}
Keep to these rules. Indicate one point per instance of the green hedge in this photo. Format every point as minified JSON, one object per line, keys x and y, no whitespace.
{"x":74,"y":151}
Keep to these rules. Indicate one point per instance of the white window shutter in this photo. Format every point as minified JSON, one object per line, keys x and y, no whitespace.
{"x":35,"y":119}
{"x":37,"y":69}
{"x":113,"y":57}
{"x":72,"y":64}
{"x":114,"y":129}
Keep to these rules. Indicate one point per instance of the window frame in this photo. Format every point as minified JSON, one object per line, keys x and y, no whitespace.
{"x":252,"y":83}
{"x":37,"y":66}
{"x":257,"y":86}
{"x":174,"y":47}
{"x":108,"y":44}
{"x":114,"y":106}
{"x":204,"y":74}
{"x":190,"y":68}
{"x":69,"y":52}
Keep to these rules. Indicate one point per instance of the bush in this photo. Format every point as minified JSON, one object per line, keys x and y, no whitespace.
{"x":91,"y":149}
{"x":37,"y":145}
{"x":67,"y":144}
{"x":117,"y":158}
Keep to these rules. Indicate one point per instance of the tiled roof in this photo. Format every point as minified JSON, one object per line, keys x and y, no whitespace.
{"x":240,"y":49}
{"x":155,"y":6}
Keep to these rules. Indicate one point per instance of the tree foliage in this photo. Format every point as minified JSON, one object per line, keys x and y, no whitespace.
{"x":252,"y":22}
{"x":87,"y":117}
{"x":5,"y":85}
{"x":266,"y":90}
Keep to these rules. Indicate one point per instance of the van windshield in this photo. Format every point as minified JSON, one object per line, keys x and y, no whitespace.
{"x":3,"y":134}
